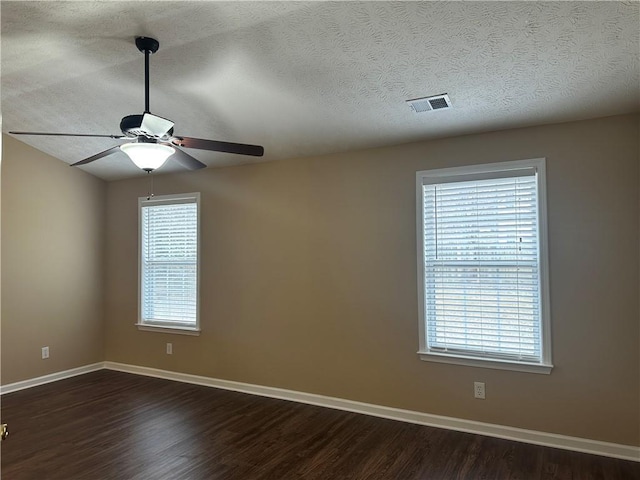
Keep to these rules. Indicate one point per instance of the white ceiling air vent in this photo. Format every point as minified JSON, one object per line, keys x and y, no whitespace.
{"x":427,"y":104}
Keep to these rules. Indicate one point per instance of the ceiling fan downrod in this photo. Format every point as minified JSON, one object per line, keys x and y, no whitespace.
{"x":147,"y":46}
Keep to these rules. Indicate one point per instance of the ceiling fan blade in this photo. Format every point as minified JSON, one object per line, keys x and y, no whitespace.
{"x":67,"y":134}
{"x":186,"y":160}
{"x":216,"y":146}
{"x":155,"y":125}
{"x":96,"y":156}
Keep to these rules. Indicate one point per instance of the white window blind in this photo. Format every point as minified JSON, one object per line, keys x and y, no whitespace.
{"x":481,"y":265}
{"x":169,"y":261}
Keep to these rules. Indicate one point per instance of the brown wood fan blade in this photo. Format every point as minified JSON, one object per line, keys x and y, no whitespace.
{"x":186,"y":160}
{"x":67,"y":134}
{"x":96,"y":156}
{"x":216,"y":146}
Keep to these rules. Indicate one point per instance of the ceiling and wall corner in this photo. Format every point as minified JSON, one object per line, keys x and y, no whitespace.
{"x":311,"y":78}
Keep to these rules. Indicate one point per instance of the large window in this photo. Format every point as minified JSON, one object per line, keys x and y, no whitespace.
{"x":169,"y":253}
{"x":483,"y":266}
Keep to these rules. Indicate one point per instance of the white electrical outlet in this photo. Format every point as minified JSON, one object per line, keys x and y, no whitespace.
{"x":169,"y":348}
{"x":45,"y":352}
{"x":478,"y":390}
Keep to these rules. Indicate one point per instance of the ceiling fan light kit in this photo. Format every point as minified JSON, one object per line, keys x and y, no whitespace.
{"x":153,"y":140}
{"x":147,"y":156}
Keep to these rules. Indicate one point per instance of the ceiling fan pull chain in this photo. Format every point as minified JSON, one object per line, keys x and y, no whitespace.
{"x":150,"y":195}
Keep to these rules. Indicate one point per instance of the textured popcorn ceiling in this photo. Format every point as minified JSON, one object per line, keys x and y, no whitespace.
{"x":310,"y":78}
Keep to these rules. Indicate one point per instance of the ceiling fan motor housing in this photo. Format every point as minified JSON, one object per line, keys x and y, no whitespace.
{"x":131,"y":126}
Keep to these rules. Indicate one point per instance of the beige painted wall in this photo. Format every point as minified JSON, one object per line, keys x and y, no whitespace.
{"x":309,"y":280}
{"x":53,"y":220}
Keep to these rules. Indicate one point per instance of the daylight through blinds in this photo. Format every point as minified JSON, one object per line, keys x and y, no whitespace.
{"x":481,"y":267}
{"x":169,"y":263}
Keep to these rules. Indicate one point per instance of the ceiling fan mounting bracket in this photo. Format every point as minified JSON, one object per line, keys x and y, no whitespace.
{"x":147,"y":44}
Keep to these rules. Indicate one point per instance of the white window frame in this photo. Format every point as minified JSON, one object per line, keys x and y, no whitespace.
{"x":193,"y":197}
{"x":466,"y":173}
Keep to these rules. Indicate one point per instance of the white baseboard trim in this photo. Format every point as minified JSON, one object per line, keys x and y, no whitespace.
{"x":52,"y":377}
{"x":595,"y":447}
{"x":584,"y":445}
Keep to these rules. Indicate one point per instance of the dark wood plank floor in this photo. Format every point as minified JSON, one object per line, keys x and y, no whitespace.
{"x":107,"y":425}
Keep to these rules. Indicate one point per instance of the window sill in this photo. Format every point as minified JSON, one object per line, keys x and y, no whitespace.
{"x":544,"y":369}
{"x":168,"y":329}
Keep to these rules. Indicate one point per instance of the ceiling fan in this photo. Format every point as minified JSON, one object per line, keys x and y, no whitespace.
{"x":153,"y":141}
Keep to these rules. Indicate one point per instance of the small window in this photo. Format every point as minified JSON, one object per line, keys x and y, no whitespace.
{"x":482,"y":269}
{"x":169,"y":263}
